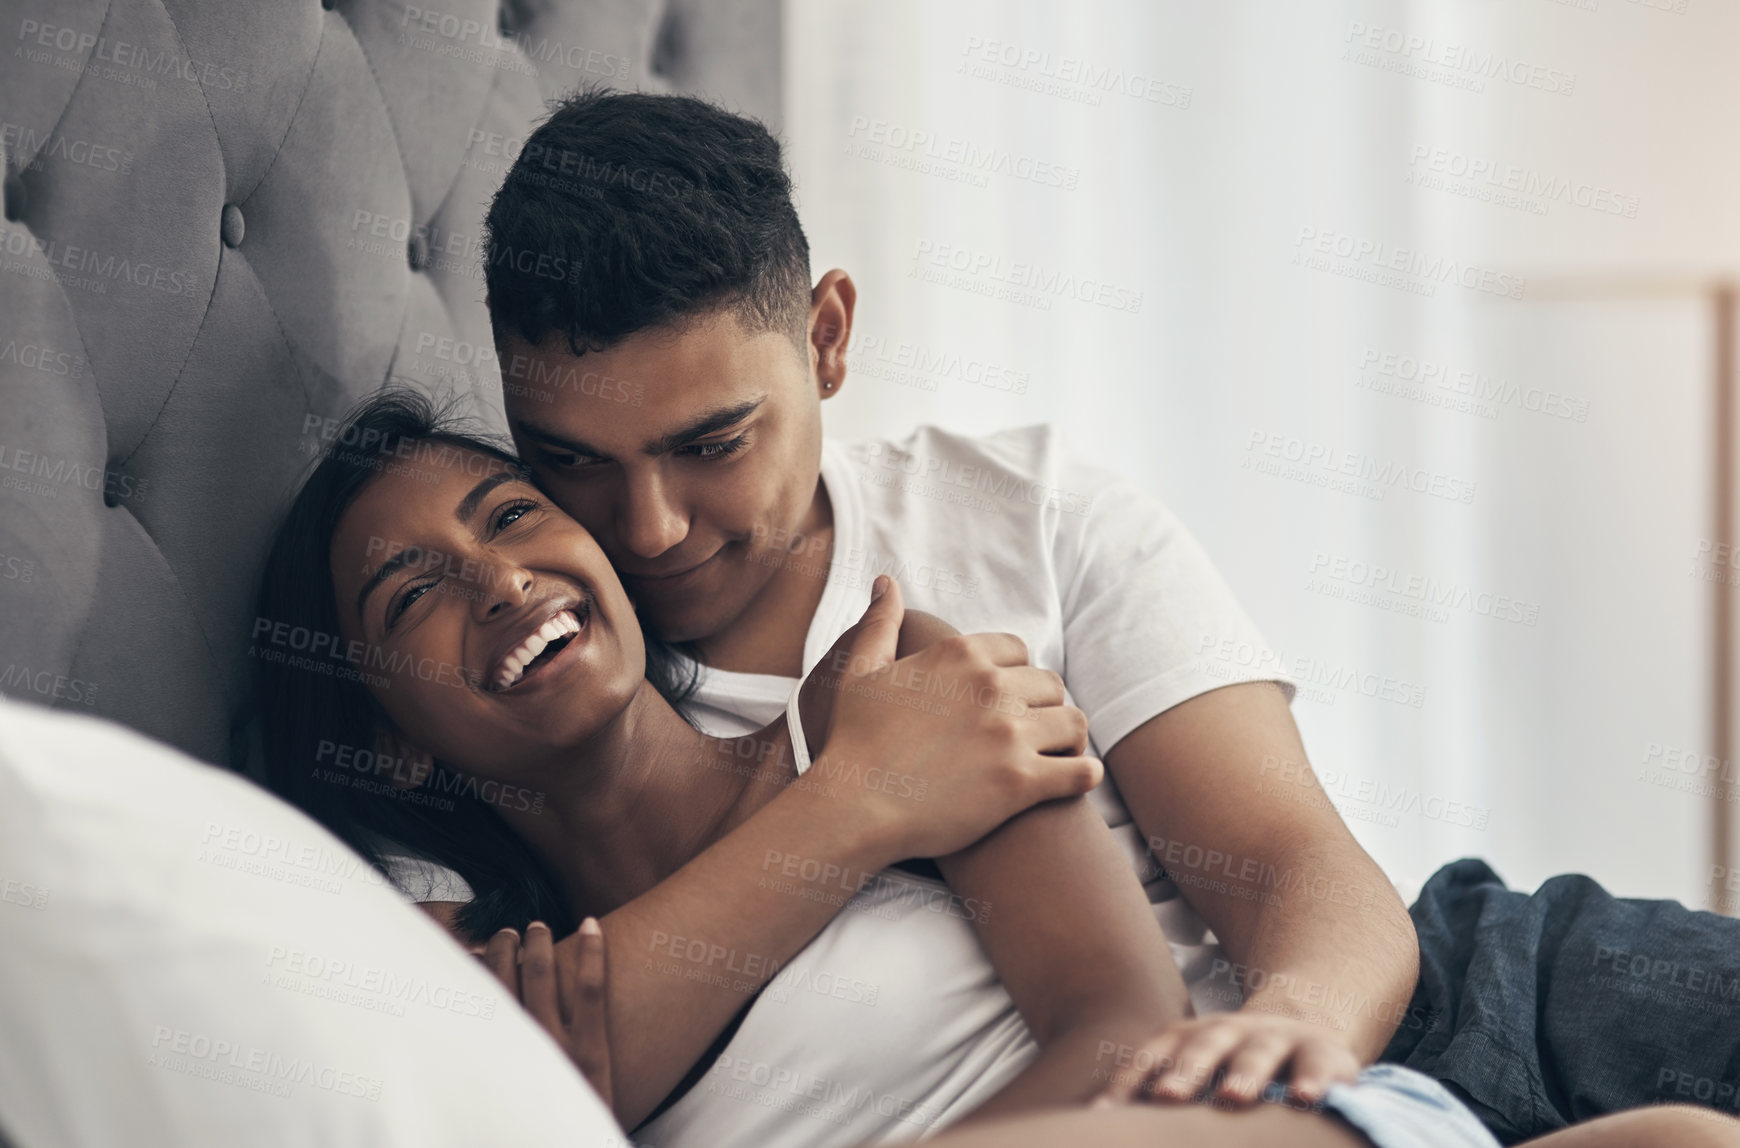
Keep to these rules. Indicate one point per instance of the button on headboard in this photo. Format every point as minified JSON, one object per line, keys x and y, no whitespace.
{"x":224,"y":222}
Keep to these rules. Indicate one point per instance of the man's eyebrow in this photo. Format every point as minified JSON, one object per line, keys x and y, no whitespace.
{"x":463,"y":512}
{"x":701,"y":425}
{"x":706,"y":424}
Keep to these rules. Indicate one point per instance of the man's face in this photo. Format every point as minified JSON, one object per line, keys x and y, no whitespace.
{"x":690,"y":454}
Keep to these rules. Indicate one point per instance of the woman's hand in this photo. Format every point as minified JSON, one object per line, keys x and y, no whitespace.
{"x":562,"y":986}
{"x":1247,"y":1050}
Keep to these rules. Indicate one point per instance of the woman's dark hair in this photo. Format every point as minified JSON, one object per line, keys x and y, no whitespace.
{"x":319,"y":722}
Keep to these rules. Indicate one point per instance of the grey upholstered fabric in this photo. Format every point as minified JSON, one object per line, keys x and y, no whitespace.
{"x":225,"y":221}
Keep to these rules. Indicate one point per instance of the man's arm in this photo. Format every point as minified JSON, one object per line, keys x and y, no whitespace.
{"x":1321,"y":933}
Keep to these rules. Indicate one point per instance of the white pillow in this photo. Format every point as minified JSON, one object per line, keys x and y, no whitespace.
{"x":186,"y":960}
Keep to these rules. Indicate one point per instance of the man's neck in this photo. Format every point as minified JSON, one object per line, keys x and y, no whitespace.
{"x":768,"y":635}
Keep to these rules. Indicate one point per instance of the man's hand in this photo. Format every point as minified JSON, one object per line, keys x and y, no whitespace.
{"x":958,"y":737}
{"x":562,"y":986}
{"x":1246,"y":1051}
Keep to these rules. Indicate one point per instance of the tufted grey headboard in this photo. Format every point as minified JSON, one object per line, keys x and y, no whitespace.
{"x":225,"y":222}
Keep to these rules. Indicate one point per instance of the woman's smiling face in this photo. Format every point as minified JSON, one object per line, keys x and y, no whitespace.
{"x":493,"y":631}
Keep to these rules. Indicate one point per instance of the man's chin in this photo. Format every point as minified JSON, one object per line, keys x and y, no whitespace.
{"x":689,"y":616}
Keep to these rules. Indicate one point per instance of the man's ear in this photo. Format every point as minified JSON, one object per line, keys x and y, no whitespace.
{"x":406,"y":764}
{"x":831,"y":306}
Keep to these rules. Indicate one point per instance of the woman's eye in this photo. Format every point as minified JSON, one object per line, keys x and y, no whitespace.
{"x":512,"y":513}
{"x":405,"y":601}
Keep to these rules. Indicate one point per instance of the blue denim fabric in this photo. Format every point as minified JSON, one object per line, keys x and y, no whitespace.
{"x":1540,"y":1010}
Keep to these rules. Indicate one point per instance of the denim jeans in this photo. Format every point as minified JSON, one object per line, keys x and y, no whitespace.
{"x":1542,"y":1009}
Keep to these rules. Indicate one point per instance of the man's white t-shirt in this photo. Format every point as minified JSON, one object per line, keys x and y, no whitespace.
{"x":1005,"y":532}
{"x":892,"y":1024}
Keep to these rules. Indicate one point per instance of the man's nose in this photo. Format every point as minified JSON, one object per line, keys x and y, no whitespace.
{"x":650,"y":521}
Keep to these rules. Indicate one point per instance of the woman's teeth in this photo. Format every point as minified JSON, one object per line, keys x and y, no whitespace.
{"x":514,"y":667}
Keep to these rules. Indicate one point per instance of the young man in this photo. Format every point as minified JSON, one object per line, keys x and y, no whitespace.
{"x":664,"y":358}
{"x":664,"y":355}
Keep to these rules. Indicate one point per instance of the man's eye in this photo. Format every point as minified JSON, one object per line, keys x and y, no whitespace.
{"x":568,"y":461}
{"x":717,"y":450}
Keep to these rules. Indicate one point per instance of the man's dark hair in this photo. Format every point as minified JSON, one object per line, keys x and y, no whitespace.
{"x":627,"y":211}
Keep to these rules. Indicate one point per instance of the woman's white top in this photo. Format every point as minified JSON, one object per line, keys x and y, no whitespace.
{"x":888,"y":1026}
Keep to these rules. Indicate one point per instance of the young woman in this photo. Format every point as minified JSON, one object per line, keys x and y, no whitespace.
{"x":480,"y":646}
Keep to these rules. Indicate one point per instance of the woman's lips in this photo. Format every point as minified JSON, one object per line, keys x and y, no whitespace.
{"x":531,"y":660}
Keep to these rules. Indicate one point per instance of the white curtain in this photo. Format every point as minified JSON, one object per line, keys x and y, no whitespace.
{"x":1265,"y":258}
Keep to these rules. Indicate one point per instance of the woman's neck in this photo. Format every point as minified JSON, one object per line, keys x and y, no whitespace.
{"x":643,"y":796}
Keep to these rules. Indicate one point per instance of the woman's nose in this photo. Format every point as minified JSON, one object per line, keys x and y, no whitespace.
{"x":507,"y":587}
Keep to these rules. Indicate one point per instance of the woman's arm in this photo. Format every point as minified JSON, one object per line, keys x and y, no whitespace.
{"x":1068,"y":929}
